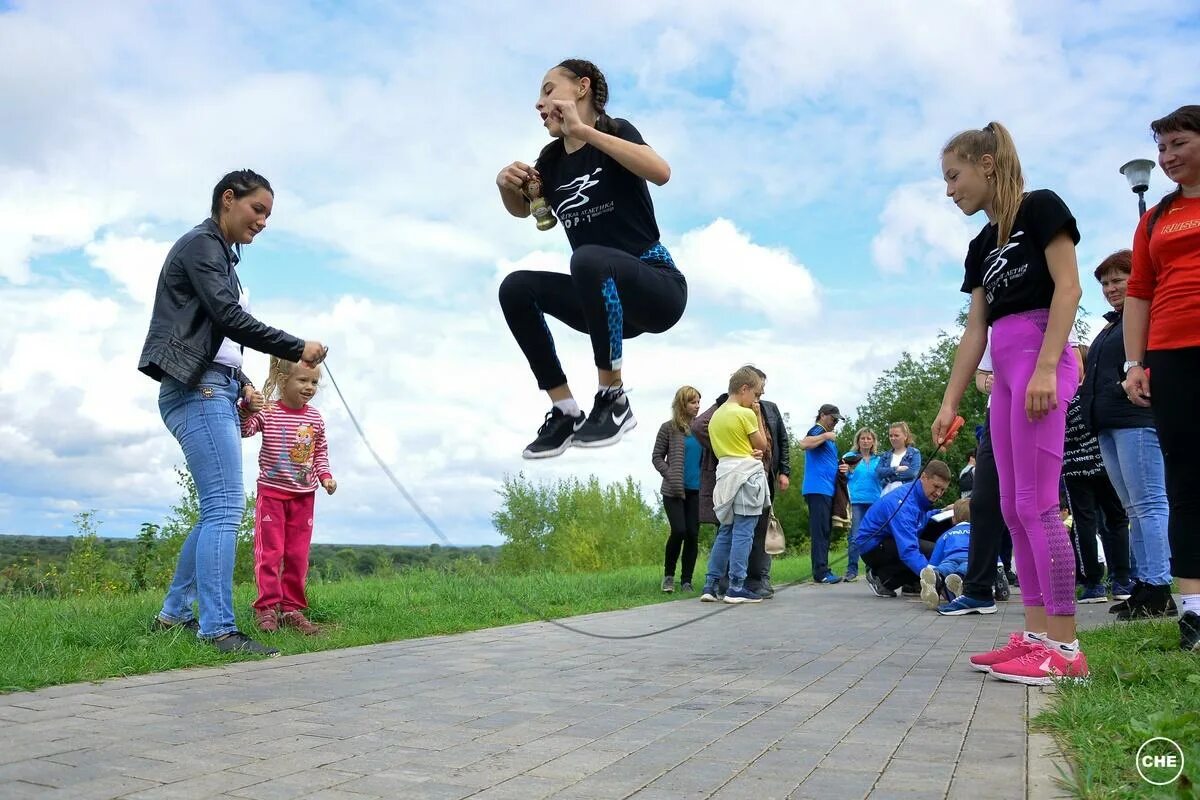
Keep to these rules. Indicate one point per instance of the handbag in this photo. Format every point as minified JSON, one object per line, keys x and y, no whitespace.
{"x":775,"y":543}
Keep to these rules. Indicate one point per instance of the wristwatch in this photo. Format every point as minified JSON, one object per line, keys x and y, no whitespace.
{"x":1129,"y":365}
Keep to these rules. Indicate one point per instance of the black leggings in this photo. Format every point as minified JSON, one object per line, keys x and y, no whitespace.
{"x":988,"y":531}
{"x":886,"y":565}
{"x":609,"y":295}
{"x":1088,"y":497}
{"x":1175,"y":384}
{"x":683,"y":514}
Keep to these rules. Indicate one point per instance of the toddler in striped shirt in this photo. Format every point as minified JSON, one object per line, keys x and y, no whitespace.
{"x":293,"y":462}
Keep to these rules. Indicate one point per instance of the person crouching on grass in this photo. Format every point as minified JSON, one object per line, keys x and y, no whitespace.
{"x":741,"y":492}
{"x":889,"y":535}
{"x":293,"y":460}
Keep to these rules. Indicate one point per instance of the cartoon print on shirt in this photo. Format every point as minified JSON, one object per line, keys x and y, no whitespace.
{"x":997,"y":274}
{"x":301,"y":451}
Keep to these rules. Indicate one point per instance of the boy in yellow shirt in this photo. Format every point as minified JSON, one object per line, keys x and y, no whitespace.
{"x":741,"y":492}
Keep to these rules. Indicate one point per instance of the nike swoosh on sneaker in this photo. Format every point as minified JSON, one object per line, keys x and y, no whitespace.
{"x":620,"y":418}
{"x":579,"y":423}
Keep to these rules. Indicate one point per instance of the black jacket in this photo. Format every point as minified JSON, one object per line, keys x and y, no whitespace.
{"x":781,"y":458}
{"x":196,"y":308}
{"x":1101,"y":398}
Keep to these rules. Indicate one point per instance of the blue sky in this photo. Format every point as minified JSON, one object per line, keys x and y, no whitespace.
{"x":805,"y":207}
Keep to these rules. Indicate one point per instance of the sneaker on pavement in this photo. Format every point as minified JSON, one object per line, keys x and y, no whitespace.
{"x":668,"y":584}
{"x":740,"y":594}
{"x":1135,"y":592}
{"x":687,"y":587}
{"x":1017,"y":646}
{"x":555,"y":435}
{"x":1152,"y":602}
{"x":967,"y":605}
{"x":266,"y":620}
{"x":160,"y":624}
{"x":709,"y":595}
{"x":762,"y":588}
{"x":1011,"y":577}
{"x":1094,"y":593}
{"x":238,"y":642}
{"x":297,"y":620}
{"x":611,"y":418}
{"x":911,"y":590}
{"x":1189,"y":632}
{"x":952,"y":586}
{"x":830,"y":579}
{"x":930,"y":595}
{"x":1123,"y":590}
{"x":877,"y":586}
{"x":1041,"y":666}
{"x":850,"y":577}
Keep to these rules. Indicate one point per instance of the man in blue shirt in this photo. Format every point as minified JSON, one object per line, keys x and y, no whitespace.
{"x":889,"y":535}
{"x":820,"y":472}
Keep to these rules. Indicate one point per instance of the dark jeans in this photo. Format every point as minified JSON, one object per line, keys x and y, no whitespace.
{"x":884,"y":562}
{"x":820,"y":528}
{"x":1175,"y":383}
{"x":609,"y":295}
{"x":683,"y":514}
{"x":1089,"y":496}
{"x":988,"y":530}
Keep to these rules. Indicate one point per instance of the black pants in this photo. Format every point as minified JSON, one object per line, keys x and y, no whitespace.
{"x":609,"y":295}
{"x":988,"y":530}
{"x":1175,"y":385}
{"x":820,"y":528}
{"x":884,"y":561}
{"x":1089,"y":497}
{"x":683,"y":513}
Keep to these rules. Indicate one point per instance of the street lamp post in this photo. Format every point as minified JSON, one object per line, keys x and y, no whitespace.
{"x":1137,"y":172}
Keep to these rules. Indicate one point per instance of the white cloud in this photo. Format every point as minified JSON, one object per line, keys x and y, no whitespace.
{"x":919,"y":224}
{"x":132,"y":262}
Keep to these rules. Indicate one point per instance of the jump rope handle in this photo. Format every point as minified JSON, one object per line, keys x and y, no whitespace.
{"x":951,"y":434}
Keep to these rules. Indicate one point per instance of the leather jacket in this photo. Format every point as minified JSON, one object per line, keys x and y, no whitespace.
{"x":196,"y":308}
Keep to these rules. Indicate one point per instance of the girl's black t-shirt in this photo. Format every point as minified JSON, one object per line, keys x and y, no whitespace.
{"x":1016,"y":277}
{"x":597,"y":200}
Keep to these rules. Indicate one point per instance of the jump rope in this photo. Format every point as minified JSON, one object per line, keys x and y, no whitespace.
{"x":520,"y":603}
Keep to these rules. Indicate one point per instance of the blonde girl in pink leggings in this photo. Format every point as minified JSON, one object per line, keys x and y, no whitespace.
{"x":1023,"y":280}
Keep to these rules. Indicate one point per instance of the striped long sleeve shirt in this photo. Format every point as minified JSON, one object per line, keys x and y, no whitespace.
{"x":294,"y":457}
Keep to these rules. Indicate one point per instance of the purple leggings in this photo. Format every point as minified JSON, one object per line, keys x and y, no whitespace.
{"x":1029,"y":461}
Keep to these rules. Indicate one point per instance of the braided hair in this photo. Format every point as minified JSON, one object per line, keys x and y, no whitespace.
{"x":578,"y":68}
{"x":1185,"y":118}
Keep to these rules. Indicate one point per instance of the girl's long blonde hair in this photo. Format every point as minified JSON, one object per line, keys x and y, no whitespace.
{"x":277,"y":374}
{"x":679,"y":415}
{"x":1009,"y":184}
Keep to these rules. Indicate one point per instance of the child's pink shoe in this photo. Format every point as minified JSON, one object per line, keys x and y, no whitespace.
{"x":1016,"y":647}
{"x":1041,"y":666}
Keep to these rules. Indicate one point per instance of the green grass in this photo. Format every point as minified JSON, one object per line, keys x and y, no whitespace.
{"x":1141,"y":686}
{"x":54,"y":641}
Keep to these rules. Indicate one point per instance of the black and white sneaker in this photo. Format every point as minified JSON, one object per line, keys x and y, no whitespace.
{"x":555,"y":435}
{"x":611,"y":418}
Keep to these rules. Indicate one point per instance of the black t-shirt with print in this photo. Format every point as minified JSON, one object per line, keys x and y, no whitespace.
{"x":1016,"y":277}
{"x":597,"y":200}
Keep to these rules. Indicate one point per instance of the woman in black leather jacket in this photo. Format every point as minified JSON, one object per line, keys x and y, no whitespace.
{"x":198,"y":327}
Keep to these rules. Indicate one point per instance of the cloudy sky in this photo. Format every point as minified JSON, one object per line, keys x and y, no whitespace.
{"x":805,"y":208}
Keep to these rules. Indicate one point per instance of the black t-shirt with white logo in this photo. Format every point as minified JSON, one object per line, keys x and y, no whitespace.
{"x":1016,"y":277}
{"x":597,"y":200}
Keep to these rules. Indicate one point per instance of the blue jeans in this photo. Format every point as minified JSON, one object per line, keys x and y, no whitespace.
{"x":1135,"y":466}
{"x":857,"y":512}
{"x":204,"y":420}
{"x":820,"y":529}
{"x":731,"y":550}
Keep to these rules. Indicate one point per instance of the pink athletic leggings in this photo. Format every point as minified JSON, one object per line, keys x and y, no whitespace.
{"x":1029,"y":461}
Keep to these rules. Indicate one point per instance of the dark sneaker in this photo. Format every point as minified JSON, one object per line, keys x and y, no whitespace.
{"x":238,"y":642}
{"x":297,"y":620}
{"x":1134,"y":593}
{"x":611,"y":418}
{"x":161,"y":624}
{"x":1189,"y":632}
{"x":1123,"y":590}
{"x":686,"y":587}
{"x":1012,"y":578}
{"x":910,"y":590}
{"x":877,"y":586}
{"x":668,"y":584}
{"x":1000,"y":587}
{"x":1094,"y":593}
{"x":850,"y":577}
{"x":765,"y":590}
{"x":709,"y":595}
{"x":740,"y":594}
{"x":967,"y":605}
{"x":555,"y":435}
{"x":1154,"y":602}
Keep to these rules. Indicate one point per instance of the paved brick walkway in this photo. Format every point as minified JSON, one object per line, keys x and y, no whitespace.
{"x":823,"y":692}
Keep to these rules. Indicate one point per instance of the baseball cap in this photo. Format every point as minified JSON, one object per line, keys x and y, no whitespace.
{"x":830,"y":409}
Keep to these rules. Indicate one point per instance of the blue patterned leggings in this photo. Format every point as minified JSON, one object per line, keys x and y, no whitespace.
{"x":609,"y":295}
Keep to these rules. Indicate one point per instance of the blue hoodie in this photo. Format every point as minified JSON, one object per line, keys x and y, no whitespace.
{"x":863,"y":482}
{"x":954,"y":543}
{"x":904,"y":527}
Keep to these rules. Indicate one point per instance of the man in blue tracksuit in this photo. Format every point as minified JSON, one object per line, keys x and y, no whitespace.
{"x":889,"y":535}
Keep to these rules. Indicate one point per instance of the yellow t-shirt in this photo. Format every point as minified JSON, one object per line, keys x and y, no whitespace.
{"x":730,"y":428}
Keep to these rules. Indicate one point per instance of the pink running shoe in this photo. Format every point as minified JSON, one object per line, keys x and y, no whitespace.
{"x":1016,"y":647}
{"x":1041,"y":666}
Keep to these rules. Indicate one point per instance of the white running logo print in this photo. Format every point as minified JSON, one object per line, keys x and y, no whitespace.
{"x":993,"y":272}
{"x":578,"y":199}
